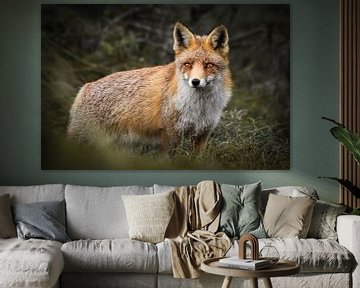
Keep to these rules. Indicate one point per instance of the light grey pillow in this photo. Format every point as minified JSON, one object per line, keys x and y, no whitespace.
{"x":240,"y":212}
{"x":7,"y":226}
{"x":323,"y":222}
{"x":44,"y":220}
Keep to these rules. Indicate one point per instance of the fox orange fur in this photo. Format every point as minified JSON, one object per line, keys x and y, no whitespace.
{"x":185,"y":97}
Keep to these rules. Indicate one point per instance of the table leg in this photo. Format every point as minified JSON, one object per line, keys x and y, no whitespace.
{"x":267,"y":283}
{"x":254,"y":282}
{"x":227,"y":282}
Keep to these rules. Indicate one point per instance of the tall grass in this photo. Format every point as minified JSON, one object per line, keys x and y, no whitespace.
{"x":238,"y":142}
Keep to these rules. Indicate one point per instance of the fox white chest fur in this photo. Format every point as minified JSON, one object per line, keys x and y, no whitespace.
{"x":200,"y":109}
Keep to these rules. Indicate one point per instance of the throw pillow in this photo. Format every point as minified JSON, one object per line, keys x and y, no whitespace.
{"x":149,"y":215}
{"x":7,"y":227}
{"x":288,"y":217}
{"x":240,"y":213}
{"x":323,"y":222}
{"x":44,"y":220}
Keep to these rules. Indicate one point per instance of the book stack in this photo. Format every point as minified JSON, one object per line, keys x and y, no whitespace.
{"x":248,"y":264}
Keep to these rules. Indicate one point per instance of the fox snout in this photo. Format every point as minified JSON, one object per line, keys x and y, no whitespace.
{"x":196,"y":77}
{"x":198,"y":83}
{"x":195,"y":82}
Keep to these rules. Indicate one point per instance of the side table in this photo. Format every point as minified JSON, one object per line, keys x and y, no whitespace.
{"x":281,"y":268}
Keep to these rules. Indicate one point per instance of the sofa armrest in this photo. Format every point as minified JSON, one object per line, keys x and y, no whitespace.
{"x":348,"y":230}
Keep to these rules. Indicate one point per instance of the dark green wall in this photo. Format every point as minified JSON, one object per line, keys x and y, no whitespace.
{"x":314,"y":93}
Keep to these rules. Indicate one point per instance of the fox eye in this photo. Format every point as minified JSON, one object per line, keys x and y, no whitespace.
{"x":187,"y":65}
{"x":209,"y":65}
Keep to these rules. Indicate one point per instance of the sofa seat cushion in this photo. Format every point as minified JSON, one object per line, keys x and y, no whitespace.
{"x":313,"y":255}
{"x":30,"y":263}
{"x":110,"y":255}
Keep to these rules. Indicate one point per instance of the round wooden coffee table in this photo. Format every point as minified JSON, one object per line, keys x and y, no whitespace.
{"x":281,"y":268}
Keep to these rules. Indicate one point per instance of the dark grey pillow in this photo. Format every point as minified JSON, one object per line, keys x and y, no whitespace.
{"x":240,"y":213}
{"x":44,"y":220}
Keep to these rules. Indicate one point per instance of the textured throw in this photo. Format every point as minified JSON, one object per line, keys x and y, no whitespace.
{"x":191,"y":231}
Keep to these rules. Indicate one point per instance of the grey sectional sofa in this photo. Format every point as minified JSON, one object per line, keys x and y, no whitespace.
{"x":101,"y":254}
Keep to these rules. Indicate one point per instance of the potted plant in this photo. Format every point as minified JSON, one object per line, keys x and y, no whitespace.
{"x":351,"y":141}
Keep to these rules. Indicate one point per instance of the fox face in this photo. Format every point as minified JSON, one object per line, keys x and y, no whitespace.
{"x":201,"y":60}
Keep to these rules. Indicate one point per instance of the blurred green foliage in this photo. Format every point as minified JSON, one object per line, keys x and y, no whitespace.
{"x":81,"y":43}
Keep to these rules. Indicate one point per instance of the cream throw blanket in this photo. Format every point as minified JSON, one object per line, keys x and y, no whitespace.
{"x":191,"y":231}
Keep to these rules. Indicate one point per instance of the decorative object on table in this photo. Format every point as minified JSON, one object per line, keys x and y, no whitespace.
{"x":247,"y":264}
{"x":269,"y":253}
{"x":254,"y":246}
{"x":351,"y":142}
{"x":241,"y":261}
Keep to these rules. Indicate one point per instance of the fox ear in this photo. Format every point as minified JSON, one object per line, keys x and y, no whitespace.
{"x":183,"y":38}
{"x":218,"y":39}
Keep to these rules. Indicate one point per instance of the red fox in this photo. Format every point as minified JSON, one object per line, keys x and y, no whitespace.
{"x":185,"y":97}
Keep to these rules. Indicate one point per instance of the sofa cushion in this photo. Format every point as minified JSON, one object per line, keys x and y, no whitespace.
{"x":117,"y":255}
{"x":164,"y":257}
{"x":313,"y":255}
{"x":36,"y":193}
{"x":240,"y":210}
{"x":98,"y":213}
{"x":30,"y":263}
{"x":149,"y":215}
{"x":323,"y":222}
{"x":287,"y":216}
{"x":7,"y":226}
{"x":43,"y":220}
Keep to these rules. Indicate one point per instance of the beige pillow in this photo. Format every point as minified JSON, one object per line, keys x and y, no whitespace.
{"x":288,"y":217}
{"x":149,"y":215}
{"x":7,"y":226}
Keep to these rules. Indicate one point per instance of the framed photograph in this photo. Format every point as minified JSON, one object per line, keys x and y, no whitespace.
{"x":153,"y":87}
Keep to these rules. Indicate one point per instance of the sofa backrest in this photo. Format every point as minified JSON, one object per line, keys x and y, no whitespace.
{"x":162,"y":188}
{"x":36,"y":193}
{"x":98,"y":212}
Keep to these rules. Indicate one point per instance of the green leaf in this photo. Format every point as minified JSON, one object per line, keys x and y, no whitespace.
{"x":355,"y":211}
{"x":349,"y":139}
{"x":347,"y":184}
{"x":333,"y":121}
